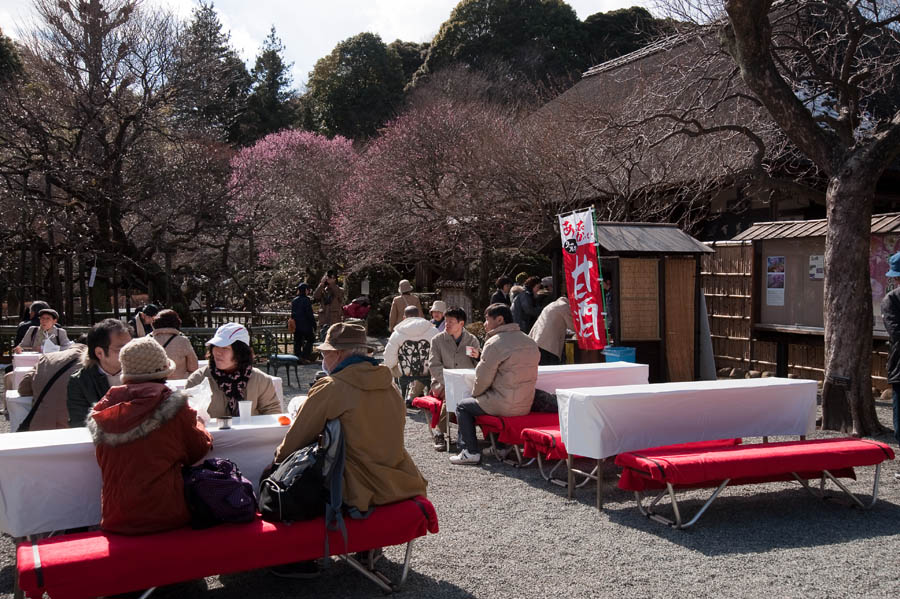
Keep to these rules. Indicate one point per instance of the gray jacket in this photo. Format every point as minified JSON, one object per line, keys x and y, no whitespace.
{"x":445,"y":353}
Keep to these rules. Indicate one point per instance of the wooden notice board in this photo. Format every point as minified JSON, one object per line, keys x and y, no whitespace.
{"x":680,"y":300}
{"x":639,"y":299}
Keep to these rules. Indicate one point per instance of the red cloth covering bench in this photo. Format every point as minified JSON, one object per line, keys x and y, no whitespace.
{"x":432,"y":404}
{"x":685,"y":467}
{"x":545,"y":443}
{"x":508,"y":429}
{"x":93,"y":564}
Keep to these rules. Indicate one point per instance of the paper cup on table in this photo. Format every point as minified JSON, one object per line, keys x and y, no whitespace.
{"x":244,"y":408}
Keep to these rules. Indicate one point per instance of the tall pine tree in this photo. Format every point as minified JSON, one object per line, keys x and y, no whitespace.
{"x":271,"y":105}
{"x":211,"y":81}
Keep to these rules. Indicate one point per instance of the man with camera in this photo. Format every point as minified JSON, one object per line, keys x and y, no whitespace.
{"x":331,"y":301}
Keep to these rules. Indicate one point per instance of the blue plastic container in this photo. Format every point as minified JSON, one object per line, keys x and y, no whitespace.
{"x":620,"y":354}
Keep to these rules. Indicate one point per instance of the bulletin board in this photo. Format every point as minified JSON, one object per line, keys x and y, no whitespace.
{"x":639,"y":299}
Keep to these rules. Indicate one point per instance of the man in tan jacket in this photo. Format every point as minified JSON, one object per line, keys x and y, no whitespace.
{"x":504,"y":379}
{"x":362,"y":395}
{"x":401,"y":302}
{"x":331,"y":302}
{"x":550,"y":330}
{"x":454,"y":348}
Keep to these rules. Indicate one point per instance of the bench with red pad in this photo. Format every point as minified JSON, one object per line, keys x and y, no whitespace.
{"x":93,"y":564}
{"x":508,"y":429}
{"x":685,"y":467}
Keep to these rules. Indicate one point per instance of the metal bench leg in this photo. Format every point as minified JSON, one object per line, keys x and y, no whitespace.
{"x":383,"y":582}
{"x":571,"y":476}
{"x":599,"y":472}
{"x":677,"y":523}
{"x":851,"y":495}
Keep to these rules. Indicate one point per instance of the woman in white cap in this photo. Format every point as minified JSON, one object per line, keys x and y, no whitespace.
{"x":401,"y":302}
{"x":437,"y":315}
{"x":144,"y":434}
{"x":46,"y":331}
{"x":232,"y":376}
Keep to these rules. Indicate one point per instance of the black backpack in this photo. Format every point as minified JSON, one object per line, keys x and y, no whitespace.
{"x":308,"y":483}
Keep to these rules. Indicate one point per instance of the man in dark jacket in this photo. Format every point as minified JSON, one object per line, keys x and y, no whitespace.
{"x":890,"y":314}
{"x":100,"y":370}
{"x":501,"y":296}
{"x":142,"y":323}
{"x":305,"y":323}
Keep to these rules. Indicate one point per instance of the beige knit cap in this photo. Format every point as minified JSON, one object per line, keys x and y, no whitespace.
{"x":143,"y":359}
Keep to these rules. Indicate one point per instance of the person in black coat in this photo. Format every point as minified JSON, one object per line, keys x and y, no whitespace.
{"x":501,"y":296}
{"x":890,"y":314}
{"x":305,"y":323}
{"x":525,"y":309}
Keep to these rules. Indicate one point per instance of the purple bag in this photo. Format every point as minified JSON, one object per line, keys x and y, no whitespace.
{"x":216,"y":492}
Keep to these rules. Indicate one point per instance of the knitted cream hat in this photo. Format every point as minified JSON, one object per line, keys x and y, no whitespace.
{"x":143,"y":359}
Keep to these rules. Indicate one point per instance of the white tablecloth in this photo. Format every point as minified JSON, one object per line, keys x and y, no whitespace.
{"x":598,"y":423}
{"x":27,"y":359}
{"x":18,"y":407}
{"x":49,"y":480}
{"x":458,"y":382}
{"x":19,"y":374}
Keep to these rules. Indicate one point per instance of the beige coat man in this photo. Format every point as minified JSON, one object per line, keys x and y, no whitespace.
{"x":179,"y":349}
{"x":550,"y":329}
{"x":378,"y":470}
{"x":260,"y":391}
{"x":507,"y":372}
{"x":52,"y":413}
{"x":333,"y":311}
{"x":446,"y":353}
{"x":400,"y":303}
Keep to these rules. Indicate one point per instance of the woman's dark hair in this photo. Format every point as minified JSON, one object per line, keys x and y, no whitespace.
{"x":495,"y":310}
{"x":530,"y":282}
{"x":167,"y":319}
{"x":243,"y":355}
{"x":457,"y":313}
{"x":503,"y":282}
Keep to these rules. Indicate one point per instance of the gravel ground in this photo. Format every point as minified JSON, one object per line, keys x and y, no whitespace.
{"x":507,"y":533}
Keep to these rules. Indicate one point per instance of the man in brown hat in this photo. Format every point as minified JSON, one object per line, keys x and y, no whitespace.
{"x":401,"y":303}
{"x":362,"y":395}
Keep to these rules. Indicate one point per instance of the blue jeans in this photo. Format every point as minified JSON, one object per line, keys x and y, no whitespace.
{"x":896,"y":389}
{"x":466,"y":412}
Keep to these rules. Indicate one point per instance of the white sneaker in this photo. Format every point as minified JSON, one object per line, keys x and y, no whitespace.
{"x":465,"y":458}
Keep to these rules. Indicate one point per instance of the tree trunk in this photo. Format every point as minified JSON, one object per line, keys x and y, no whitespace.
{"x":484,"y":271}
{"x":847,"y":403}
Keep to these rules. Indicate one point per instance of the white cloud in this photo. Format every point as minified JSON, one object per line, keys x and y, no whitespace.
{"x":310,"y":29}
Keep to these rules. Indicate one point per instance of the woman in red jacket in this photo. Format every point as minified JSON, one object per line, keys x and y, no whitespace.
{"x":144,"y":433}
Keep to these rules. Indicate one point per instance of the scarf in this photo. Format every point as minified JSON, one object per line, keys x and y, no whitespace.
{"x":233,"y":384}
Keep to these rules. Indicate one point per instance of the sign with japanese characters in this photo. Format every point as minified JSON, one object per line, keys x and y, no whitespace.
{"x":583,"y":278}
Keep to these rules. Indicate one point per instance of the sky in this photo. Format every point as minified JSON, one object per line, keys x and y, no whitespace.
{"x":310,"y":29}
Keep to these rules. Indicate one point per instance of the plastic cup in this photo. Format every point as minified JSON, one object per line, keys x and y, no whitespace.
{"x":244,"y":408}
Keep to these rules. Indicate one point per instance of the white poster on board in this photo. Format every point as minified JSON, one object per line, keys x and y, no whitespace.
{"x":816,"y":268}
{"x":775,"y":280}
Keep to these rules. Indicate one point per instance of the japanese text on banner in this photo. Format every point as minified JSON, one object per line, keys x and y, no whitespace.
{"x":583,"y":278}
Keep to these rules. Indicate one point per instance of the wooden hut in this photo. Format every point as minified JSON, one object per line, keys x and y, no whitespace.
{"x":655,"y":271}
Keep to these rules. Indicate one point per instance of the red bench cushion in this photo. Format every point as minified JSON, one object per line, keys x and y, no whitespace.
{"x":509,"y":428}
{"x":546,"y":441}
{"x":687,"y":466}
{"x":95,"y":563}
{"x":432,"y":404}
